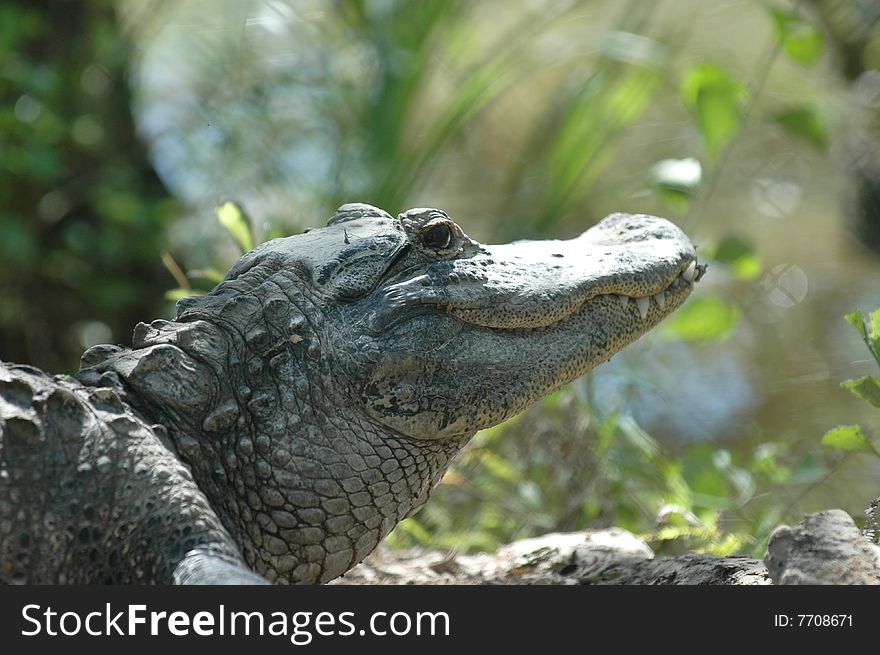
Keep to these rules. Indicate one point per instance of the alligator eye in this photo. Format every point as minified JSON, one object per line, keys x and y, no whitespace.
{"x":437,"y":237}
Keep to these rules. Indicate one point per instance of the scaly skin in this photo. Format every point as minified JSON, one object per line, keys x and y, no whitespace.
{"x":287,"y":421}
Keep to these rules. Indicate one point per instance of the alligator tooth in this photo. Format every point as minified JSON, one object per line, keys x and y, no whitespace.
{"x":643,"y":304}
{"x":690,"y":272}
{"x":660,"y":299}
{"x":624,"y":300}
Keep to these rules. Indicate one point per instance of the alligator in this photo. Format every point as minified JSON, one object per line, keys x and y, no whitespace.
{"x":281,"y":425}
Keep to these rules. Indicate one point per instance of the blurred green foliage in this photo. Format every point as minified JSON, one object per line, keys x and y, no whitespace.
{"x":81,"y":210}
{"x":853,"y":438}
{"x":716,"y":99}
{"x":800,"y":37}
{"x":568,"y":467}
{"x":386,"y":99}
{"x":233,"y":218}
{"x":570,"y":463}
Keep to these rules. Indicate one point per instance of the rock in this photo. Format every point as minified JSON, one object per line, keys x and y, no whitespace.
{"x":691,"y":569}
{"x":824,"y":548}
{"x":612,"y":556}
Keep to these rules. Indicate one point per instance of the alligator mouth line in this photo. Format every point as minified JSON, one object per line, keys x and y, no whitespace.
{"x":403,"y":305}
{"x":683,"y":282}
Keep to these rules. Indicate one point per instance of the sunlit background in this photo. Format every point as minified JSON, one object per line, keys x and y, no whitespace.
{"x":753,"y":125}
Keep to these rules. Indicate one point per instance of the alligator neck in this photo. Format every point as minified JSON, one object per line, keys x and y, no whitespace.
{"x":305,"y":484}
{"x":306,"y":496}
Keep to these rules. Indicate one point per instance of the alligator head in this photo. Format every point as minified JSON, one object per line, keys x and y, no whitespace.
{"x":320,"y":391}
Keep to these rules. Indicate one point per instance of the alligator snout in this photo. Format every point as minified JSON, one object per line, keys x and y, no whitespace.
{"x":537,"y":284}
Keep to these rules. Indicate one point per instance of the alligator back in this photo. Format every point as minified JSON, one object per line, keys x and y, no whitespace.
{"x":89,"y":491}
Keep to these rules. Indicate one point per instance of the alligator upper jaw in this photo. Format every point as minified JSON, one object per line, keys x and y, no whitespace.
{"x":654,"y":299}
{"x":644,"y":264}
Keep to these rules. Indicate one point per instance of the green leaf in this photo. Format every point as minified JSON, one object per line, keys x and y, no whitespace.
{"x":236,"y":223}
{"x":849,"y":438}
{"x":738,"y":254}
{"x":716,"y":99}
{"x":178,"y":294}
{"x":857,"y":320}
{"x":703,"y":318}
{"x":718,"y":115}
{"x":866,"y":388}
{"x":801,"y":40}
{"x":874,"y":327}
{"x":803,"y":122}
